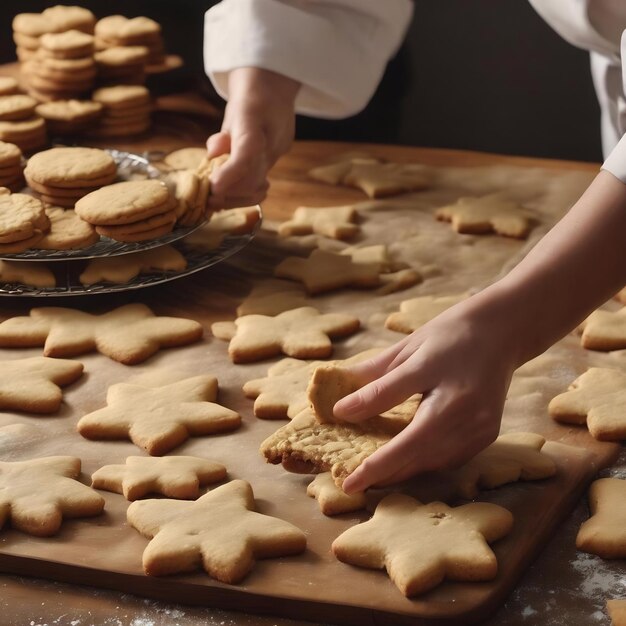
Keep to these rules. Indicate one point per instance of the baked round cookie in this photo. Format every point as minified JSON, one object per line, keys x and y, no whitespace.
{"x":66,"y":65}
{"x":28,"y":134}
{"x":185,"y":158}
{"x":71,"y":168}
{"x":10,"y":154}
{"x":26,"y":41}
{"x":20,"y":216}
{"x":120,"y":130}
{"x":56,"y":19}
{"x":66,"y":45}
{"x":69,"y":110}
{"x":162,"y":219}
{"x":121,"y":96}
{"x":124,"y":203}
{"x":127,"y":30}
{"x":17,"y":107}
{"x":144,"y":235}
{"x":67,"y":231}
{"x":121,"y":56}
{"x":8,"y":85}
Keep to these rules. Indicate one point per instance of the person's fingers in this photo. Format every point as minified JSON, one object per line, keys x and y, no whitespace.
{"x":381,"y":394}
{"x":377,"y":365}
{"x":218,"y":144}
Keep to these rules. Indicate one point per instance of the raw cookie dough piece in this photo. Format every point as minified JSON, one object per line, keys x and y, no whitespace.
{"x":305,"y":446}
{"x":177,"y":477}
{"x":421,"y":545}
{"x":303,"y":333}
{"x":337,"y":222}
{"x":129,"y":334}
{"x":32,"y":273}
{"x":282,"y":393}
{"x":598,"y":397}
{"x":332,"y":499}
{"x":160,"y":419}
{"x":604,"y":533}
{"x":511,"y":457}
{"x":34,"y":384}
{"x":325,"y":271}
{"x":221,"y":530}
{"x":36,"y":495}
{"x":604,"y":330}
{"x":122,"y":269}
{"x":271,"y":297}
{"x":415,"y":312}
{"x":487,"y":214}
{"x":67,"y":231}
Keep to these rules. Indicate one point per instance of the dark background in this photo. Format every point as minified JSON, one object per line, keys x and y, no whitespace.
{"x":484,"y":75}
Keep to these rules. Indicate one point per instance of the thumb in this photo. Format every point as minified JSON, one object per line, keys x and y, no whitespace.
{"x":218,"y":144}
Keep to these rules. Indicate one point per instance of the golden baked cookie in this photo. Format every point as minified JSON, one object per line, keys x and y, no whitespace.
{"x":20,"y":217}
{"x":67,"y":231}
{"x":10,"y":154}
{"x":8,"y":85}
{"x":122,"y":96}
{"x":67,"y":45}
{"x":17,"y":107}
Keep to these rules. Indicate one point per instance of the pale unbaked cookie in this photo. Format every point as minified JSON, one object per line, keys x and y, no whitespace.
{"x":597,"y":398}
{"x":129,"y":334}
{"x":34,"y":384}
{"x":332,"y":499}
{"x":325,"y":271}
{"x":160,"y":419}
{"x":415,"y":312}
{"x":32,"y":273}
{"x":337,"y":222}
{"x":511,"y":457}
{"x":122,"y":269}
{"x":604,"y":533}
{"x":604,"y":330}
{"x":173,"y":476}
{"x":221,"y":530}
{"x":488,"y":214}
{"x":421,"y":545}
{"x":36,"y":495}
{"x":303,"y":333}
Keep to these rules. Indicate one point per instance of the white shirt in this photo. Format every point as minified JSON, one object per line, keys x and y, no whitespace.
{"x":338,"y":51}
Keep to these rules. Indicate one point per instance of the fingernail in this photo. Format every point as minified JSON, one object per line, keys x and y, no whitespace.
{"x":345,"y":406}
{"x":351,"y":484}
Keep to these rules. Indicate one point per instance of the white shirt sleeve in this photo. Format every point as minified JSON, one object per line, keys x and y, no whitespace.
{"x":337,"y":49}
{"x":616,"y":161}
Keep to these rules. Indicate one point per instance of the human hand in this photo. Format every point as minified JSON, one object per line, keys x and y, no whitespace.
{"x":258,"y":128}
{"x":462,"y":361}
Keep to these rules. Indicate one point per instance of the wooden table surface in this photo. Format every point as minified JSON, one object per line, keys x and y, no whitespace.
{"x":549,"y":593}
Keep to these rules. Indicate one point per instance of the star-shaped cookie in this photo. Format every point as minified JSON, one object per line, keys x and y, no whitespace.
{"x":302,"y":333}
{"x":34,"y":384}
{"x":271,"y":297}
{"x":421,"y":545}
{"x":511,"y":457}
{"x":604,"y":533}
{"x":334,"y":500}
{"x":32,"y":273}
{"x":415,"y":312}
{"x":220,"y":531}
{"x":597,"y":398}
{"x":159,"y":419}
{"x":487,"y":214}
{"x":36,"y":495}
{"x":604,"y":330}
{"x":129,"y":334}
{"x":382,"y":180}
{"x":338,"y":222}
{"x":172,"y":476}
{"x":325,"y":271}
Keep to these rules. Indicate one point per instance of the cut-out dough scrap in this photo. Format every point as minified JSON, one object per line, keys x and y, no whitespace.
{"x":305,"y":446}
{"x":487,"y":214}
{"x":177,"y":477}
{"x":325,"y":271}
{"x":123,"y":268}
{"x":302,"y":333}
{"x":160,"y":419}
{"x":31,"y":273}
{"x":421,"y":545}
{"x":34,"y":384}
{"x":36,"y":495}
{"x":597,"y":398}
{"x":604,"y":331}
{"x":511,"y":457}
{"x":416,"y":312}
{"x":604,"y":533}
{"x":282,"y":393}
{"x":338,"y":222}
{"x":129,"y":334}
{"x":221,"y":532}
{"x":333,"y":500}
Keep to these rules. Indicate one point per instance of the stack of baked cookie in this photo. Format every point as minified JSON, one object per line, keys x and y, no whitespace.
{"x":8,"y":86}
{"x":28,"y":133}
{"x":117,"y":30}
{"x":61,"y":176}
{"x":29,"y":27}
{"x":23,"y":222}
{"x":69,"y":117}
{"x":126,"y":110}
{"x":131,"y":211}
{"x":11,"y":170}
{"x":122,"y":65}
{"x":63,"y":66}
